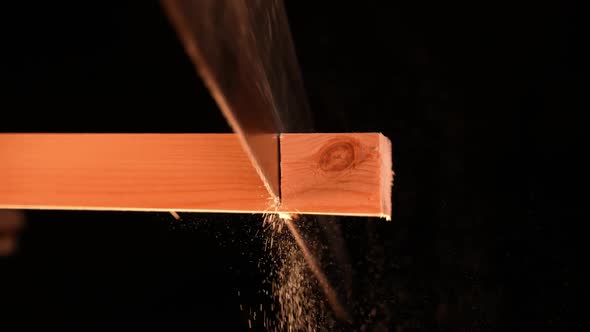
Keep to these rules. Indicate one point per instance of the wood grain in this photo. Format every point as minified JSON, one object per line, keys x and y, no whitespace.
{"x":154,"y":172}
{"x":339,"y":174}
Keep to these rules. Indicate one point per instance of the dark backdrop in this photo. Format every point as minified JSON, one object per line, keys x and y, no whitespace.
{"x":484,"y":106}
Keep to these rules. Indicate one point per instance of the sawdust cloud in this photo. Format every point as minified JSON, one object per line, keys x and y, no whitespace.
{"x":294,"y":274}
{"x":295,"y":293}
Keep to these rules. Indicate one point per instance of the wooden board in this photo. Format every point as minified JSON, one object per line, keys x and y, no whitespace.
{"x":181,"y":172}
{"x":339,"y":174}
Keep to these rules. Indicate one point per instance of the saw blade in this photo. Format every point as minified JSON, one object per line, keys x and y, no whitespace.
{"x":244,"y":52}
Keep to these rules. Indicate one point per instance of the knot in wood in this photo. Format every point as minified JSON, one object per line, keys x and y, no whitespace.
{"x":337,"y":156}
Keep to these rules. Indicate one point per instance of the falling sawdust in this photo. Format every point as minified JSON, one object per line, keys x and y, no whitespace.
{"x":298,"y":305}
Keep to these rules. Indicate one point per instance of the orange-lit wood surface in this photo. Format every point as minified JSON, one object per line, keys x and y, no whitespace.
{"x":340,"y":174}
{"x":180,"y":172}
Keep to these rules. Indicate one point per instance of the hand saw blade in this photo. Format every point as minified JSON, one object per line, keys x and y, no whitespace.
{"x":244,"y":52}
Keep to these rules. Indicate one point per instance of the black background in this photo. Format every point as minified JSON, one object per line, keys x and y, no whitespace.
{"x":484,"y":106}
